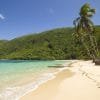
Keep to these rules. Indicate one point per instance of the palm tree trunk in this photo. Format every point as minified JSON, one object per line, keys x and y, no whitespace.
{"x":93,"y":47}
{"x":86,"y":47}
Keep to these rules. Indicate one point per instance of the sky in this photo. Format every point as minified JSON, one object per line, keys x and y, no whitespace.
{"x":22,"y":17}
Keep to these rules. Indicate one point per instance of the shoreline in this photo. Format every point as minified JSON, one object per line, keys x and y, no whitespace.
{"x":66,"y":65}
{"x":46,"y":83}
{"x":54,"y":74}
{"x":28,"y":83}
{"x":71,"y":75}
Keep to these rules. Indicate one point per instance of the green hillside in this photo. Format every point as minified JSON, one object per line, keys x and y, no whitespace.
{"x":53,"y":44}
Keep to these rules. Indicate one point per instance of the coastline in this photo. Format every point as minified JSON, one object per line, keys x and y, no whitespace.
{"x":58,"y":73}
{"x":28,"y":76}
{"x":72,"y":83}
{"x":47,"y":86}
{"x":52,"y":76}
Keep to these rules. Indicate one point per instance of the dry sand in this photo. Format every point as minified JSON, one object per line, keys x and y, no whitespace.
{"x":81,"y":81}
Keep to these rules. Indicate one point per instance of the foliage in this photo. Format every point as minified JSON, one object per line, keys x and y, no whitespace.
{"x":85,"y":31}
{"x":52,"y":44}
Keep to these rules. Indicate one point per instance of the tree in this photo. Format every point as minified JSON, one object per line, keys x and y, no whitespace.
{"x":85,"y":31}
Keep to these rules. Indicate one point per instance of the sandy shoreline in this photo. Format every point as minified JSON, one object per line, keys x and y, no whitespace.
{"x":79,"y":82}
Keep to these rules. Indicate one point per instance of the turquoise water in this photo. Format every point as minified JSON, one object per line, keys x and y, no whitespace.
{"x":19,"y":76}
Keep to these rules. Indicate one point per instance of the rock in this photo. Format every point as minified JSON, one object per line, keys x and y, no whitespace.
{"x":97,"y":61}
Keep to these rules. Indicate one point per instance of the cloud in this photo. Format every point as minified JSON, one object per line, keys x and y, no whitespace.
{"x":2,"y":17}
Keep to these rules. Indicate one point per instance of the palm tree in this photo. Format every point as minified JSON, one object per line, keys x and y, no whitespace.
{"x":85,"y":31}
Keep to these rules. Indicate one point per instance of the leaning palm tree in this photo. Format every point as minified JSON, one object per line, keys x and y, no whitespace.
{"x":85,"y":31}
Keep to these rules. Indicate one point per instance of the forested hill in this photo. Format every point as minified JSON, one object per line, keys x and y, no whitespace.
{"x":52,"y":44}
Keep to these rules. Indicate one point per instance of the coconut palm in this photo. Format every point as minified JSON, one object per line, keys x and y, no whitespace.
{"x":85,"y":31}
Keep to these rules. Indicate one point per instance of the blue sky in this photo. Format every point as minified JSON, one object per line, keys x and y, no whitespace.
{"x":21,"y":17}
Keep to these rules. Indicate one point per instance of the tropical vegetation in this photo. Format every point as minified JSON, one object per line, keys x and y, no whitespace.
{"x":85,"y":31}
{"x":48,"y":45}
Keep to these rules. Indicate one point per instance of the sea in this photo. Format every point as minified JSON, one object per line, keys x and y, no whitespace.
{"x":18,"y":77}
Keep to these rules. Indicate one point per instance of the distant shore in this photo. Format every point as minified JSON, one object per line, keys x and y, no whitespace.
{"x":80,"y":81}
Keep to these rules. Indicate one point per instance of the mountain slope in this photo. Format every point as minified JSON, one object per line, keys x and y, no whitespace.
{"x":53,"y":44}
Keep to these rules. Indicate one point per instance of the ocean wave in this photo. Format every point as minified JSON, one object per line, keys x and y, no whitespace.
{"x":15,"y":93}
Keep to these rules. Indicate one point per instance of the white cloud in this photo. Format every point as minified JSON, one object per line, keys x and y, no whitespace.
{"x":2,"y":17}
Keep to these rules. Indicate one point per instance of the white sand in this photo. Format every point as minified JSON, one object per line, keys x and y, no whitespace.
{"x":79,"y":82}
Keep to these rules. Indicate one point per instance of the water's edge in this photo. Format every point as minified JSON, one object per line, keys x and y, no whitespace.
{"x":51,"y":76}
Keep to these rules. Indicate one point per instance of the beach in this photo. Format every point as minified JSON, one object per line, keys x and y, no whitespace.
{"x":79,"y":81}
{"x":19,"y":77}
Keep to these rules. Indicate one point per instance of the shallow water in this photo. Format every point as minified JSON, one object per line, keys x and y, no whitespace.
{"x":17,"y":77}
